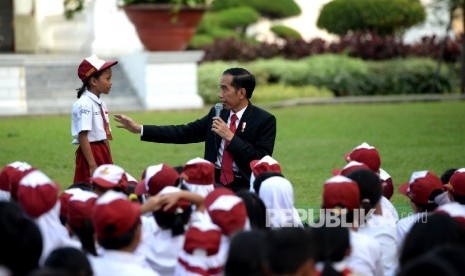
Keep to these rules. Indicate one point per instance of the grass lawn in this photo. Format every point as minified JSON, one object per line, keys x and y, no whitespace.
{"x":311,"y":142}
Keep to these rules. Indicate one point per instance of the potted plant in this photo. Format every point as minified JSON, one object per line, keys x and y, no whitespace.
{"x":165,"y":25}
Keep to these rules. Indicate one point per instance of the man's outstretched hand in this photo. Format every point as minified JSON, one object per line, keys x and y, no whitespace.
{"x":127,"y":123}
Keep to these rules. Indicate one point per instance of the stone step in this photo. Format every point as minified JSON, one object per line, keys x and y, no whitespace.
{"x":46,"y":81}
{"x":64,"y":106}
{"x":51,"y":89}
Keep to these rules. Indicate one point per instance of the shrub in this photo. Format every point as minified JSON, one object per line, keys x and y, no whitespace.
{"x":270,"y":9}
{"x":229,"y":49}
{"x":368,"y":46}
{"x":236,"y":17}
{"x":386,"y":17}
{"x":410,"y":76}
{"x":338,"y":17}
{"x":339,"y":73}
{"x":342,"y":75}
{"x":209,"y":77}
{"x":268,"y":50}
{"x":223,"y":33}
{"x":430,"y":47}
{"x":275,"y":9}
{"x":225,"y":4}
{"x":200,"y":40}
{"x":281,"y":71}
{"x":372,"y":46}
{"x":298,"y":48}
{"x":285,"y":32}
{"x":207,"y":36}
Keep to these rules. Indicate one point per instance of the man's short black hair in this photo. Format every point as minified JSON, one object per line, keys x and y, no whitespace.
{"x":242,"y":79}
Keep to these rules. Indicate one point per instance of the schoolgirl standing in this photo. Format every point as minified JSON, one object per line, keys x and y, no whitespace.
{"x":89,"y":120}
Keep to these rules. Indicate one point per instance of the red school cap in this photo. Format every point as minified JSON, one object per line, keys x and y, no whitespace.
{"x":366,"y":154}
{"x":109,"y":176}
{"x":91,"y":65}
{"x":226,"y":210}
{"x":421,"y":186}
{"x":157,"y":177}
{"x":114,"y":215}
{"x":456,"y":183}
{"x":340,"y":191}
{"x":37,"y":193}
{"x":80,"y":208}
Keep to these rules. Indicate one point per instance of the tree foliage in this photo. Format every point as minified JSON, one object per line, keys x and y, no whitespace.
{"x":385,"y":17}
{"x":285,"y":32}
{"x":270,"y":9}
{"x":233,"y":18}
{"x":238,"y":15}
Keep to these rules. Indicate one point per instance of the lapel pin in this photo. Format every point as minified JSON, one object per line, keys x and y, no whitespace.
{"x":243,"y":126}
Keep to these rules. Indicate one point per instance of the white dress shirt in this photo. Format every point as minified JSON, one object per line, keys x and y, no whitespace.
{"x":221,"y":149}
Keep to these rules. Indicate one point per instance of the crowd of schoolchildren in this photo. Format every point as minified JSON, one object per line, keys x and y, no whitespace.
{"x":175,"y":221}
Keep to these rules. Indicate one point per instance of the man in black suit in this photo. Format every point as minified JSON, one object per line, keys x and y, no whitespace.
{"x":251,"y":137}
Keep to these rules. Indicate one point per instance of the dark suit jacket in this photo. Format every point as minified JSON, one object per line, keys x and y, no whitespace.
{"x":254,"y":138}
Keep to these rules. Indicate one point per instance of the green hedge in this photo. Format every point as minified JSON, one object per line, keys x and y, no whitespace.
{"x":416,"y":75}
{"x":385,"y":17}
{"x":343,"y":75}
{"x":276,"y":9}
{"x":285,"y":32}
{"x":266,"y":8}
{"x":209,"y":78}
{"x":236,"y":17}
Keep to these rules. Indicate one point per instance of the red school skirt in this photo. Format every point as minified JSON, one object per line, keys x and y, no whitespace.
{"x":101,"y":152}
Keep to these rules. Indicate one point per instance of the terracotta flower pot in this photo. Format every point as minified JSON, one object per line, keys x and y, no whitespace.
{"x":160,"y":28}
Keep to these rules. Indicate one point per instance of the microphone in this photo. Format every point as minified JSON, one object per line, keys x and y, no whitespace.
{"x":218,"y":108}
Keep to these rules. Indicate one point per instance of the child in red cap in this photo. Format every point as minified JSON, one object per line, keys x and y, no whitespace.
{"x":89,"y":119}
{"x":426,"y":192}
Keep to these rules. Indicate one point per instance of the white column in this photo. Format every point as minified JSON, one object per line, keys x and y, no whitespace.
{"x":114,"y":33}
{"x":171,"y":80}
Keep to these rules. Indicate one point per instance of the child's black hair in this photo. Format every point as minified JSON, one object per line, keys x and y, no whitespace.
{"x":370,"y":188}
{"x":85,"y":84}
{"x":176,"y":220}
{"x":332,"y":244}
{"x":262,"y":177}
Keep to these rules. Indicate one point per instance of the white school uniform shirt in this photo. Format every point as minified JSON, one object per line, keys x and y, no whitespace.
{"x":405,"y":224}
{"x":54,"y":234}
{"x":158,"y":247}
{"x":164,"y":252}
{"x":388,"y":209}
{"x":383,"y":230}
{"x":86,"y":115}
{"x":119,"y":263}
{"x":365,"y":256}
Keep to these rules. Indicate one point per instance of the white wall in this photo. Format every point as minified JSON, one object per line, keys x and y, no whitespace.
{"x":113,"y":31}
{"x":13,"y":86}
